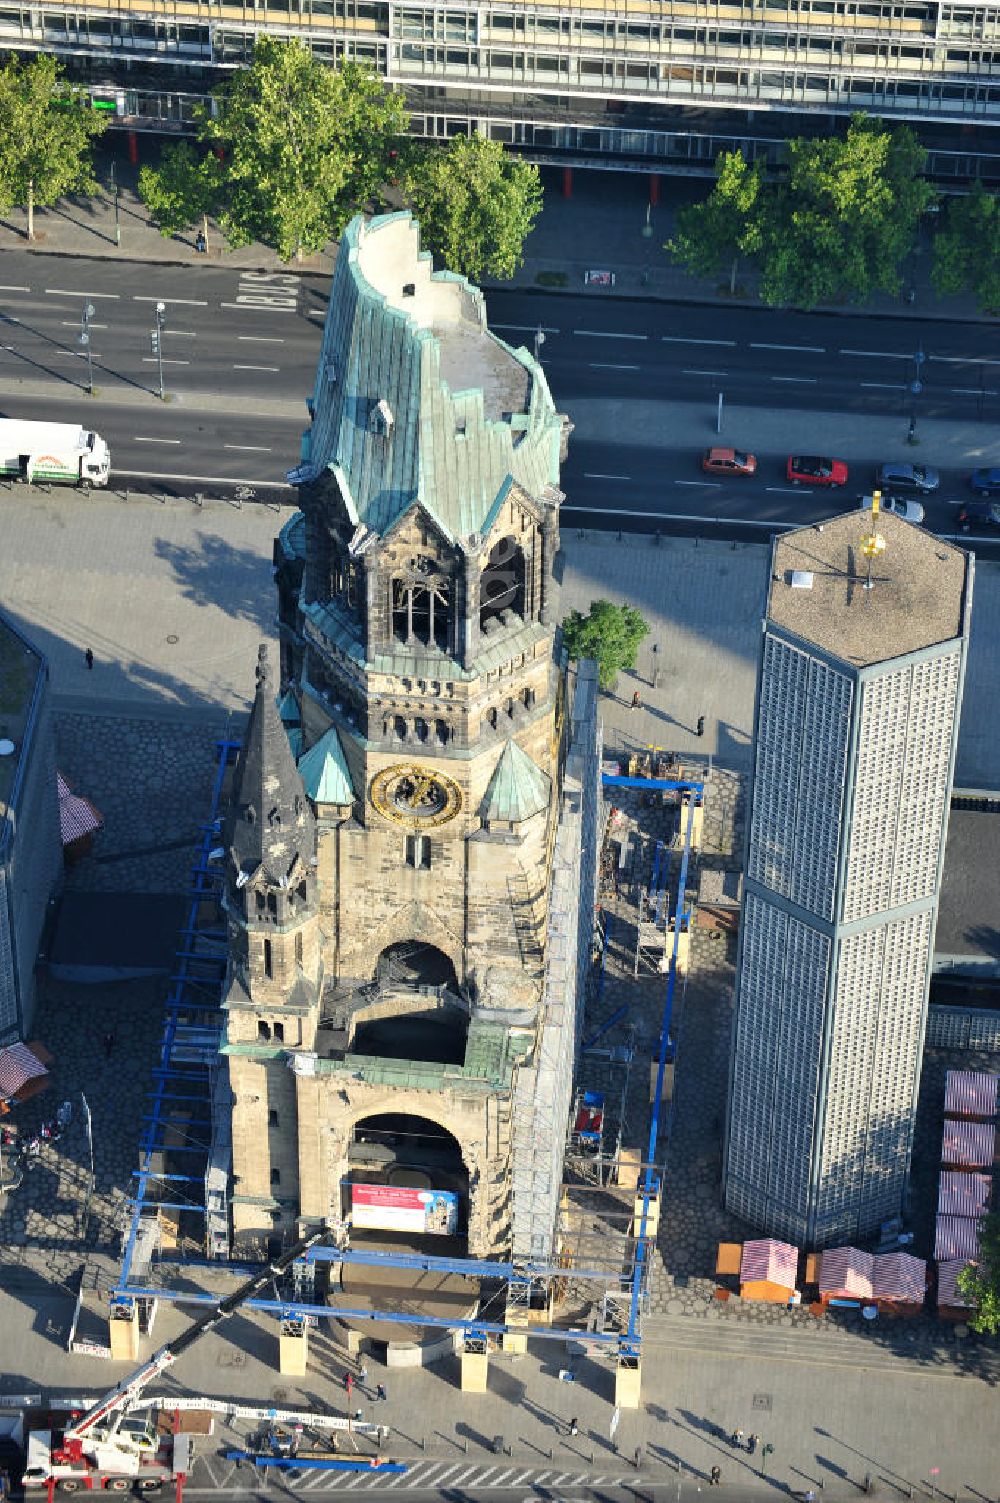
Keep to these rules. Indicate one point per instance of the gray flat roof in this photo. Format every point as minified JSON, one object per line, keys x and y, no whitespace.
{"x":967,"y":928}
{"x":916,"y":599}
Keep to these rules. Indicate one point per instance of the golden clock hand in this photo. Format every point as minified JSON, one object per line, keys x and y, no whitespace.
{"x":421,"y":785}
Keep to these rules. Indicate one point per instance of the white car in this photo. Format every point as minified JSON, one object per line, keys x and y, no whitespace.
{"x":910,"y":511}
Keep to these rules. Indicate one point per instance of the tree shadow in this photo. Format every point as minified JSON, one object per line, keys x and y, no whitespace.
{"x":199,"y":565}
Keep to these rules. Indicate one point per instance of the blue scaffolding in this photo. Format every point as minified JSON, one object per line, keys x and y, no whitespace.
{"x":183,"y":1074}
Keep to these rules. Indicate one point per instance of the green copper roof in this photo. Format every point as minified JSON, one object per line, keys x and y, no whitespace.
{"x":324,"y":771}
{"x":518,"y":789}
{"x":415,"y":400}
{"x":288,"y":708}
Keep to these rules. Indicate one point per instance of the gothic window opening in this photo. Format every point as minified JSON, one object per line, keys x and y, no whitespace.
{"x":442,"y":731}
{"x":263,"y":1031}
{"x":399,"y":726}
{"x":421,"y":605}
{"x":272,"y":1117}
{"x":279,"y":1033}
{"x":418,"y":852}
{"x":268,"y":965}
{"x":503,"y":585}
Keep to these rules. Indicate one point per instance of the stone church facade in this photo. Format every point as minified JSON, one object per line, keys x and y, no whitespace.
{"x":394,"y":808}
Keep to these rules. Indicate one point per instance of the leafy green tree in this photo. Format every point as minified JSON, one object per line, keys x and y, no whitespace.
{"x":476,"y":205}
{"x":608,"y":633}
{"x":47,"y":127}
{"x":980,"y":1282}
{"x":725,"y":225}
{"x":967,"y":249}
{"x":837,"y":227}
{"x":846,"y":217}
{"x":304,"y":145}
{"x":186,"y":186}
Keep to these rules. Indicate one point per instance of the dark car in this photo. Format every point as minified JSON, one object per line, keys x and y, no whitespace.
{"x":985,"y":481}
{"x":808,"y":469}
{"x":907,"y":477}
{"x":979,"y":514}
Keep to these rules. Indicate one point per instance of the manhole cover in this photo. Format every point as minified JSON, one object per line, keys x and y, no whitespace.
{"x":172,"y":639}
{"x":762,"y":1401}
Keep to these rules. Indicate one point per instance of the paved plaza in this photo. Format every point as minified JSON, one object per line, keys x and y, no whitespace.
{"x":174,"y":600}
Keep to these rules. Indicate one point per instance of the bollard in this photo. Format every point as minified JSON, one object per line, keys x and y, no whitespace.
{"x":199,"y":498}
{"x":639,"y":1452}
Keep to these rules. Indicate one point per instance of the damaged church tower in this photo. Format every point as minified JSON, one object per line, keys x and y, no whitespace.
{"x":399,"y":816}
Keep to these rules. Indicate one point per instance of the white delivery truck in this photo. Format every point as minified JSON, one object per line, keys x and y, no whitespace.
{"x":53,"y":453}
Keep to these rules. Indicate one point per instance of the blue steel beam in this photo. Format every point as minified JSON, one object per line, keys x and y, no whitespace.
{"x":613,"y":780}
{"x":615,"y":1017}
{"x":393,"y":1317}
{"x":482,"y":1268}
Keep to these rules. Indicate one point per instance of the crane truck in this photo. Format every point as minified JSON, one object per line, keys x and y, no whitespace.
{"x":116,"y":1446}
{"x":59,"y":453}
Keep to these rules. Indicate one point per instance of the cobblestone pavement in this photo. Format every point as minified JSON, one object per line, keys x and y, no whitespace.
{"x":151,"y":781}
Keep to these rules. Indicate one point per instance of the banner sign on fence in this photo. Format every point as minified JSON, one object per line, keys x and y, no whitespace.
{"x":398,"y":1209}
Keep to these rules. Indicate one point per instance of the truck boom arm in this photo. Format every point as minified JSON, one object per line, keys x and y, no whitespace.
{"x":116,"y":1403}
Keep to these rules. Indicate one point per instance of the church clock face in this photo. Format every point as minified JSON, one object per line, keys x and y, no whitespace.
{"x":418,"y":797}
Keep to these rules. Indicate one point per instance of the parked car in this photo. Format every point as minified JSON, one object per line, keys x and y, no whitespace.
{"x":728,"y":462}
{"x":907,"y":477}
{"x":985,"y":481}
{"x":979,"y":514}
{"x":910,"y":511}
{"x":807,"y":469}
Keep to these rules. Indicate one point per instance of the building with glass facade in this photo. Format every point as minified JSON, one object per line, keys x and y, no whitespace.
{"x":662,"y":84}
{"x":858,"y":696}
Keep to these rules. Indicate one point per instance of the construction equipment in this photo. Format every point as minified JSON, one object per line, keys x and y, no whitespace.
{"x":114,"y":1446}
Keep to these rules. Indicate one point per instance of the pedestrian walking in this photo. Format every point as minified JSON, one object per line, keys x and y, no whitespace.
{"x":349,"y":1385}
{"x":637,"y":700}
{"x":737,"y":1438}
{"x":89,"y":658}
{"x":109,"y":1045}
{"x":716,"y":1477}
{"x":700,"y":727}
{"x":362,"y":1376}
{"x":752,"y":1443}
{"x":574,"y":1427}
{"x":380,"y":1393}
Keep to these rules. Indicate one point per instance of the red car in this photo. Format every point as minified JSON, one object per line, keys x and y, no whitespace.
{"x":807,"y":469}
{"x":728,"y":462}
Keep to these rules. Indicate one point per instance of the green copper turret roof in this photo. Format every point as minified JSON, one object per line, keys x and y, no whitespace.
{"x":325,"y":773}
{"x":518,"y":788}
{"x":415,"y":399}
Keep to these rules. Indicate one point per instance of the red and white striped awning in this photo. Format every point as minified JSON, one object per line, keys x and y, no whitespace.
{"x":956,"y":1237}
{"x":949,"y":1295}
{"x":846,"y":1272}
{"x":968,"y":1144}
{"x":899,"y":1276}
{"x":963,"y":1194}
{"x":17,"y":1066}
{"x":970,"y":1093}
{"x":77,"y":816}
{"x":775,"y":1262}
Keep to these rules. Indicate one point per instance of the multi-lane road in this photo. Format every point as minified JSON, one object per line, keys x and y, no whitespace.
{"x":239,"y":351}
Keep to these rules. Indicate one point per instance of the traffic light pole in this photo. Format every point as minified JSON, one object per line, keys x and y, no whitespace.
{"x":156,"y":340}
{"x":88,"y":313}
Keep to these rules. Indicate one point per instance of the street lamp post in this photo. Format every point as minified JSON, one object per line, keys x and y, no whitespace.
{"x":916,"y":387}
{"x":88,"y":313}
{"x":114,"y":184}
{"x":156,"y":342}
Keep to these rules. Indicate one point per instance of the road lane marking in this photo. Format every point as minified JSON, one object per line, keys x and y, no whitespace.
{"x":516,"y":328}
{"x":162,"y":360}
{"x":259,"y":339}
{"x":590,"y":475}
{"x":972,"y":391}
{"x":274,"y":368}
{"x":679,"y":339}
{"x":806,"y":380}
{"x":606,"y":334}
{"x":65,"y":292}
{"x":604,"y":365}
{"x":190,"y":302}
{"x":136,"y":439}
{"x":802,"y":349}
{"x":715,"y":485}
{"x":877,"y":354}
{"x":322,"y":312}
{"x":74,"y":323}
{"x":962,"y":360}
{"x":703,"y":373}
{"x":15,"y":289}
{"x":262,"y":307}
{"x":177,"y":333}
{"x":249,"y":448}
{"x":881,"y":386}
{"x":788,"y":490}
{"x":76,"y":354}
{"x":274,"y":485}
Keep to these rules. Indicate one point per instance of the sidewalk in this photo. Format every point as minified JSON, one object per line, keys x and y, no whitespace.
{"x":606,"y":225}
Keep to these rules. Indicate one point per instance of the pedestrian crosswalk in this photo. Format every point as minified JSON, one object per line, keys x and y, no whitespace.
{"x":215,"y":1474}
